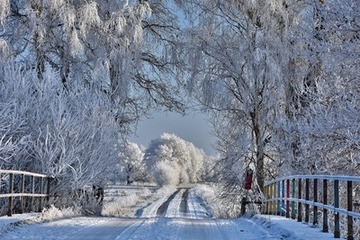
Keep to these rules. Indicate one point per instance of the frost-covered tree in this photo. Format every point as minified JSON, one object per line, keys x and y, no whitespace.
{"x":70,"y":78}
{"x":172,"y":161}
{"x":271,"y":74}
{"x":109,"y":45}
{"x":317,"y":135}
{"x":131,"y":162}
{"x":236,"y":58}
{"x":45,"y":129}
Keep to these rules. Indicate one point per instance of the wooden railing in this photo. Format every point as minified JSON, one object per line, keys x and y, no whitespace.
{"x":29,"y":188}
{"x":293,"y":196}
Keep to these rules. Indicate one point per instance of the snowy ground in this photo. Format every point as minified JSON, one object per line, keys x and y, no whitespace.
{"x":186,"y":217}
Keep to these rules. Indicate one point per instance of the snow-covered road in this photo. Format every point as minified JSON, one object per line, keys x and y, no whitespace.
{"x":186,"y":217}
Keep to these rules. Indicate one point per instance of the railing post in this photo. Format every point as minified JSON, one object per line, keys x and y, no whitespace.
{"x":22,"y":190}
{"x":32,"y":186}
{"x":263,"y":209}
{"x":315,"y":208}
{"x":278,"y":210}
{"x":11,"y":191}
{"x":293,"y":204}
{"x":41,"y":192}
{"x":48,"y":189}
{"x":287,"y":200}
{"x":268,"y":196}
{"x":325,"y":202}
{"x":307,"y":198}
{"x":350,"y":230}
{"x":336,"y":214}
{"x":268,"y":203}
{"x":274,"y":206}
{"x":282,"y":197}
{"x":299,"y":217}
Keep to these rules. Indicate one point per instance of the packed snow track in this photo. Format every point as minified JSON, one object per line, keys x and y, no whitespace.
{"x":182,"y":215}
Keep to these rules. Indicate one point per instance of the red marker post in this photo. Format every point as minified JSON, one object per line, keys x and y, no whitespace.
{"x":248,"y":179}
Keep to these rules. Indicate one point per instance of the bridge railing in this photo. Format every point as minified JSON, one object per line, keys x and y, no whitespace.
{"x":29,"y":189}
{"x":303,"y":196}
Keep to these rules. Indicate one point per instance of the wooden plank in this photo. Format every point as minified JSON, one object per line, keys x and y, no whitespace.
{"x":22,"y":172}
{"x":320,"y":177}
{"x":6,"y":195}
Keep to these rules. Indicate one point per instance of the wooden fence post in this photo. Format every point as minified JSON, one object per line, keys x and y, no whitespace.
{"x":22,"y":190}
{"x":315,"y":208}
{"x":11,"y":191}
{"x":274,"y":206}
{"x":293,"y":204}
{"x":282,"y":198}
{"x":307,"y":198}
{"x":48,"y":189}
{"x":41,"y":192}
{"x":32,"y":186}
{"x":267,"y":194}
{"x":278,"y":210}
{"x":336,"y":214}
{"x":325,"y":202}
{"x":350,"y":230}
{"x":287,"y":200}
{"x":299,"y":213}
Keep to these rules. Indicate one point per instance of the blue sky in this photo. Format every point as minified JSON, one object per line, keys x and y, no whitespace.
{"x":192,"y":127}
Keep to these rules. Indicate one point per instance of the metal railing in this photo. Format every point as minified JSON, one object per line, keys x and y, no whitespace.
{"x":293,"y":196}
{"x":30,"y":189}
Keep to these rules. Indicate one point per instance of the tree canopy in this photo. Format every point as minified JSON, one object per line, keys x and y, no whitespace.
{"x":279,"y":79}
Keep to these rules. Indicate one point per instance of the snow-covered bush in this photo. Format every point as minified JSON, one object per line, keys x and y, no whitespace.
{"x":53,"y":213}
{"x":126,"y":204}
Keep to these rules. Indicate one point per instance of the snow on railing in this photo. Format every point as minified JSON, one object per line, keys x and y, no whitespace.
{"x":21,"y":184}
{"x":285,"y":196}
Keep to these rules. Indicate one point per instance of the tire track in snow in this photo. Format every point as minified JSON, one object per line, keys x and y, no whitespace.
{"x":164,"y":207}
{"x":184,"y":208}
{"x":151,"y":210}
{"x":196,"y":207}
{"x":174,"y":208}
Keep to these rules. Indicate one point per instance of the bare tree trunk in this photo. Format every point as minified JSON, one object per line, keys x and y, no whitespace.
{"x":259,"y":148}
{"x":36,"y":5}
